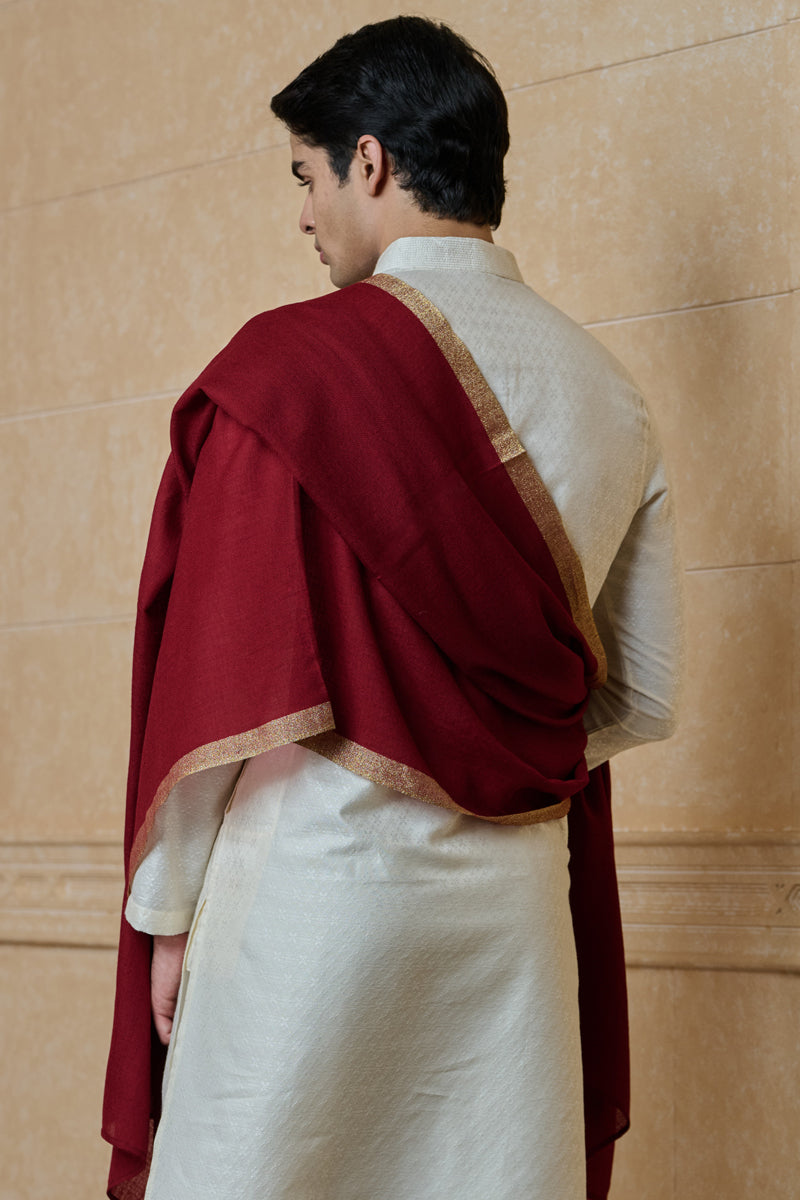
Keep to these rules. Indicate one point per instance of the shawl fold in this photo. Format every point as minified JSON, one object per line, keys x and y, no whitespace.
{"x":350,"y":549}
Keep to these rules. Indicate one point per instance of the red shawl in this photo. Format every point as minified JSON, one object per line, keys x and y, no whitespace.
{"x":351,"y":549}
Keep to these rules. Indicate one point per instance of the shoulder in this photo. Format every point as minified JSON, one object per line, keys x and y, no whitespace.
{"x":564,"y":350}
{"x":296,"y":321}
{"x":298,"y":354}
{"x":522,"y":341}
{"x":303,"y":340}
{"x":327,"y":316}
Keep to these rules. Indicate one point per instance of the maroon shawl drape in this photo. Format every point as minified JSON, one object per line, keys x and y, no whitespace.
{"x":350,"y":548}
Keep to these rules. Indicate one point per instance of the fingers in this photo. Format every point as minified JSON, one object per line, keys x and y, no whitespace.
{"x":163,"y":1026}
{"x":165,"y":980}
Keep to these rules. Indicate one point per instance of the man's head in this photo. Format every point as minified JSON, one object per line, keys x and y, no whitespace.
{"x":403,"y":112}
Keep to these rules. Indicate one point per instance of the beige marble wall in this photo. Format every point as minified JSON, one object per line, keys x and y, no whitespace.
{"x":714,"y":1087}
{"x":55,"y":1021}
{"x":145,"y":212}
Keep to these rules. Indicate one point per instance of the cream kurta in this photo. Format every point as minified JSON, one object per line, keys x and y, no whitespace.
{"x":380,"y":997}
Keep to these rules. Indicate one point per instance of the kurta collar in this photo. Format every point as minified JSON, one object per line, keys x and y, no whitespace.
{"x":448,"y":254}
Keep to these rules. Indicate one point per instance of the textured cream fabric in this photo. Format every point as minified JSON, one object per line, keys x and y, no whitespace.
{"x":379,"y":1000}
{"x":585,"y":426}
{"x":588,"y":432}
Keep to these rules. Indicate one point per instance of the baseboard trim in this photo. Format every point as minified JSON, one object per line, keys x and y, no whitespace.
{"x":689,"y":900}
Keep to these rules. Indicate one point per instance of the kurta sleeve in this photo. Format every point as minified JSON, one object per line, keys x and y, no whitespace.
{"x":639,"y":616}
{"x":167,"y":882}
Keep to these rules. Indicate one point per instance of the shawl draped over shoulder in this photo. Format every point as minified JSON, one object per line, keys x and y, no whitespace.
{"x":350,"y":549}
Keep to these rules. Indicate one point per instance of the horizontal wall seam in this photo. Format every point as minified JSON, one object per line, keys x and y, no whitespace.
{"x":66,"y":623}
{"x":778,"y":562}
{"x":184,"y":169}
{"x":689,"y":308}
{"x":89,"y":406}
{"x":14,"y":846}
{"x":628,"y":62}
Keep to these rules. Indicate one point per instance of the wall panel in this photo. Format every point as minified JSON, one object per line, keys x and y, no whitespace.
{"x":644,"y":1159}
{"x":130,"y":291}
{"x":55,"y":1020}
{"x":793,"y":652}
{"x":539,"y":41}
{"x":792,"y":119}
{"x":683,"y":153}
{"x":105,"y":91}
{"x":793,"y":424}
{"x":701,"y":1035}
{"x":729,"y":767}
{"x":64,"y":710}
{"x":731,"y":1033}
{"x":77,"y":488}
{"x":720,"y":384}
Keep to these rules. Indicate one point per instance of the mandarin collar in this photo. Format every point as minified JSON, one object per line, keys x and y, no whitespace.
{"x":448,"y":254}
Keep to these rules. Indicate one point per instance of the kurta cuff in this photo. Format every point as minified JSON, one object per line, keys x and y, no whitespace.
{"x":150,"y":920}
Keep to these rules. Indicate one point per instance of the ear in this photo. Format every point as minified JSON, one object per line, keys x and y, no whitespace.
{"x":372,"y":164}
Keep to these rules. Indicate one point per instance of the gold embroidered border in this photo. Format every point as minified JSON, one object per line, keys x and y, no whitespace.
{"x":511,"y":453}
{"x":375,"y":767}
{"x":291,"y":728}
{"x":314,"y":727}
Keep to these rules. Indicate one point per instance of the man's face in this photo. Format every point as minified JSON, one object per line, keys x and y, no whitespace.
{"x":337,"y":216}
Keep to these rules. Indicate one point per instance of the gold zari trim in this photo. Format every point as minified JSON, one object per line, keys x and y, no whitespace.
{"x":314,"y":727}
{"x":291,"y":728}
{"x":512,"y":454}
{"x":375,"y":767}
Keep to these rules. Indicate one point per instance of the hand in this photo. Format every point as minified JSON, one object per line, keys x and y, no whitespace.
{"x":165,"y":979}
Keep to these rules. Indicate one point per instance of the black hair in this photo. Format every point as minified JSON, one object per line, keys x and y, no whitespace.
{"x":431,"y":100}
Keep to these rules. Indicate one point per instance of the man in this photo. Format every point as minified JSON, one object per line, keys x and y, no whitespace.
{"x":413,"y":543}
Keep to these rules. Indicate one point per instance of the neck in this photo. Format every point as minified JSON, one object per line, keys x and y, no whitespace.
{"x":422,"y":224}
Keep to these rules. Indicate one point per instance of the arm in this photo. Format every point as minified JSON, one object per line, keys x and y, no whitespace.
{"x":167,"y":883}
{"x":165,"y":979}
{"x":165,"y":889}
{"x":639,"y":616}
